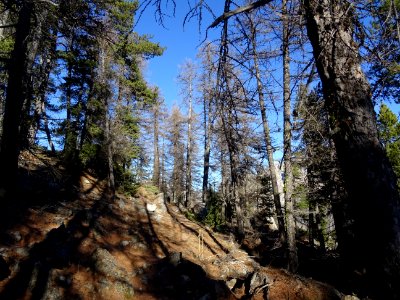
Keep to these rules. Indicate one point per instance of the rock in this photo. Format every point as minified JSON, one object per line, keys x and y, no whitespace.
{"x":151,"y":207}
{"x":160,"y":201}
{"x":231,"y":283}
{"x":21,"y":251}
{"x":124,"y":243}
{"x":258,"y":281}
{"x":175,"y":258}
{"x":350,"y":297}
{"x":12,"y":237}
{"x":4,"y":269}
{"x":121,"y":204}
{"x":117,"y":289}
{"x":105,"y":264}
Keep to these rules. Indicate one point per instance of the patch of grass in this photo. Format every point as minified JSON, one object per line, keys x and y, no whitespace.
{"x":147,"y":191}
{"x":191,"y":216}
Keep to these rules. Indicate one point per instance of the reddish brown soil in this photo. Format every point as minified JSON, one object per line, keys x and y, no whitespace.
{"x":92,"y":247}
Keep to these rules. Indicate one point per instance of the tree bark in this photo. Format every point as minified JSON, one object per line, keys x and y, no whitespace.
{"x":208,"y":94}
{"x":287,"y":140}
{"x":373,"y":201}
{"x":188,"y":184}
{"x":267,"y":138}
{"x":207,"y":149}
{"x":156,"y":164}
{"x":17,"y":90}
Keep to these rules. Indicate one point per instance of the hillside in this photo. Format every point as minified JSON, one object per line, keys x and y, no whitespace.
{"x":80,"y":244}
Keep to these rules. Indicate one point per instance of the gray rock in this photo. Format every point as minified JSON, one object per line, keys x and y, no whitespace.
{"x":106,"y":264}
{"x":14,"y":237}
{"x":258,"y":281}
{"x":124,"y":243}
{"x":141,"y":246}
{"x":231,"y":283}
{"x":21,"y":251}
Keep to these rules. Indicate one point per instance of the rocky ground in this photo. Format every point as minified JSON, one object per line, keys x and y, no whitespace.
{"x":82,"y":244}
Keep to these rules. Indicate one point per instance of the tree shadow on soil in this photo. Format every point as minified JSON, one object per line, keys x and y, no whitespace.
{"x":57,"y":251}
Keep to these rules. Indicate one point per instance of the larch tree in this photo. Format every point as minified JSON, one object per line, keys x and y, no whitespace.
{"x":187,"y":80}
{"x":206,"y":88}
{"x":287,"y":141}
{"x":176,"y":123}
{"x":253,"y":40}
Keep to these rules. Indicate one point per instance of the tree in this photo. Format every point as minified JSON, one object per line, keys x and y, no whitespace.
{"x":207,"y":89}
{"x":187,"y":79}
{"x":368,"y":176}
{"x":287,"y":141}
{"x":389,"y":135}
{"x":177,"y":149}
{"x":382,"y":39}
{"x":156,"y":111}
{"x":267,"y":134}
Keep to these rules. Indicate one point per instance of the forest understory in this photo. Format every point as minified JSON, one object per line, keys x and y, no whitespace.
{"x":72,"y":241}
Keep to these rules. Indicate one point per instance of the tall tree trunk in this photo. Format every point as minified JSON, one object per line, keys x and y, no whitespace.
{"x":110,"y":161}
{"x":156,"y":164}
{"x":17,"y":90}
{"x":105,"y":97}
{"x":267,"y":138}
{"x":208,"y":94}
{"x":207,"y":148}
{"x":287,"y":140}
{"x":231,"y":141}
{"x":373,"y":201}
{"x":27,"y":130}
{"x":319,"y":229}
{"x":189,"y":151}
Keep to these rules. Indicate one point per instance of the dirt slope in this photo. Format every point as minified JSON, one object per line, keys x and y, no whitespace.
{"x":92,"y":247}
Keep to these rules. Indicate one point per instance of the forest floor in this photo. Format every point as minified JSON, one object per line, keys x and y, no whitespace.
{"x":78,"y":243}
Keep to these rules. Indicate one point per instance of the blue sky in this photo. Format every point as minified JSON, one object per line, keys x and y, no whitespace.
{"x":181,"y":43}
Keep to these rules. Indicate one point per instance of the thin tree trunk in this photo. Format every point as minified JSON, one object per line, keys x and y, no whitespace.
{"x":208,"y":120}
{"x":207,"y":147}
{"x":104,"y":94}
{"x":267,"y":138}
{"x":287,"y":140}
{"x":156,"y":164}
{"x":319,"y":229}
{"x":311,"y":222}
{"x":373,"y":201}
{"x":189,"y":152}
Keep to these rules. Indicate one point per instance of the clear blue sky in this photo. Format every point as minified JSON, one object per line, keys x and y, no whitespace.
{"x":181,"y":43}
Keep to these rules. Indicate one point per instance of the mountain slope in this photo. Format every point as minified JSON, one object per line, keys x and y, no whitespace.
{"x":90,"y":247}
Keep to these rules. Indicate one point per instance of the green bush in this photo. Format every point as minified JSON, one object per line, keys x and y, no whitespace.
{"x":214,"y":217}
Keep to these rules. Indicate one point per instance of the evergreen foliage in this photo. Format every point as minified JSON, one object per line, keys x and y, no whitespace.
{"x":389,"y":135}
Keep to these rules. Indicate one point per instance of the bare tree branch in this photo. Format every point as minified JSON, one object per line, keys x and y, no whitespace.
{"x":239,"y":10}
{"x":8,"y":25}
{"x":49,"y":2}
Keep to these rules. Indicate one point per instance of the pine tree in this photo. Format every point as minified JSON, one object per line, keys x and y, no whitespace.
{"x":389,"y":135}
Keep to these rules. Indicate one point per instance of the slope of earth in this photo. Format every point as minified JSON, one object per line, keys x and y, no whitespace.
{"x":83,"y":244}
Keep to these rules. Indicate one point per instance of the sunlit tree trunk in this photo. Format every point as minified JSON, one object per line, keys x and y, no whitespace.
{"x":267,"y":138}
{"x":287,"y":140}
{"x":156,"y":163}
